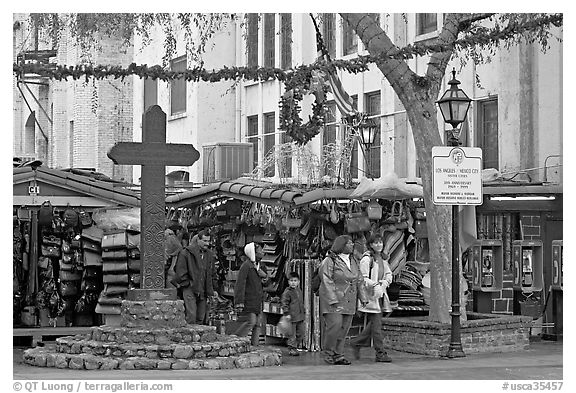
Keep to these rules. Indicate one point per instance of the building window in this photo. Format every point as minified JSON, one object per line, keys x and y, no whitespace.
{"x":150,"y":93}
{"x":269,"y":34}
{"x":252,"y":40}
{"x":269,"y":142}
{"x":329,"y":33}
{"x":426,"y":23}
{"x":252,"y":137}
{"x":286,"y":40}
{"x":285,"y":168}
{"x":349,"y":39}
{"x":488,"y":132}
{"x":354,"y":154}
{"x":178,"y":87}
{"x":372,"y":105}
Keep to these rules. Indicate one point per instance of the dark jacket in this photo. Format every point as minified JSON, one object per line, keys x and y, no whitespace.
{"x":340,"y":286}
{"x":293,"y":304}
{"x":248,"y":289}
{"x":194,"y":267}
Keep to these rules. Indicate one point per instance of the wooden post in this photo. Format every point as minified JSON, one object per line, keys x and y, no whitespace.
{"x":154,"y":154}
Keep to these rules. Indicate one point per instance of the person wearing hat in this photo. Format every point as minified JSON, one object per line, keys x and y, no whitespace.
{"x":249,"y":294}
{"x":377,"y":277}
{"x":341,"y":288}
{"x":193,"y":274}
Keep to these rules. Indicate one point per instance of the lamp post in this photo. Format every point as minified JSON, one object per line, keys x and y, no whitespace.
{"x":366,"y":130}
{"x":454,"y":106}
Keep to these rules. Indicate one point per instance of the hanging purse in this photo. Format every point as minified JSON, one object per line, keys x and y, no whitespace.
{"x":66,"y":247}
{"x":290,"y":222}
{"x":397,"y":213}
{"x":374,"y":210}
{"x":50,"y":251}
{"x":66,"y":275}
{"x":85,"y":219}
{"x":68,"y":288}
{"x":51,"y":240}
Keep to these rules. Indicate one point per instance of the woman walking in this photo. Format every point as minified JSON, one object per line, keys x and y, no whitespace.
{"x":377,"y":277}
{"x":341,"y":288}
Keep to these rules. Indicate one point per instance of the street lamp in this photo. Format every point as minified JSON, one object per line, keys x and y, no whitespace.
{"x":367,"y":129}
{"x":454,"y":106}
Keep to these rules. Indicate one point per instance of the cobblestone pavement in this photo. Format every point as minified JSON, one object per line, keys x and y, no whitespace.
{"x":541,"y":361}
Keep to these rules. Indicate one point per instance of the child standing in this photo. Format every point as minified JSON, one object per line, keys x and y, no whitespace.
{"x":293,"y":308}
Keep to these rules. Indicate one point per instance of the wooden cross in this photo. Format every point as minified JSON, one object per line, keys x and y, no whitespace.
{"x":154,"y":154}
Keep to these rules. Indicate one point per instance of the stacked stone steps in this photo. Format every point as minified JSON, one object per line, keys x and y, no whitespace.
{"x":48,"y":357}
{"x":230,"y":345}
{"x":153,"y":335}
{"x":186,"y":334}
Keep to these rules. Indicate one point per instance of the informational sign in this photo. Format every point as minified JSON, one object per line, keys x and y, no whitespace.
{"x":457,"y":175}
{"x":33,"y":190}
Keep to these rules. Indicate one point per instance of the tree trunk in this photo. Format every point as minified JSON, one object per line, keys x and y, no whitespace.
{"x":418,"y":96}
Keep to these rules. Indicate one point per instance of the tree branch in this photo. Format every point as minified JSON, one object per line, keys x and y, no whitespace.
{"x":377,"y":41}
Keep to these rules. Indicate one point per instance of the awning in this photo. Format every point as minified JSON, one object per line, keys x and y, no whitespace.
{"x":32,"y":186}
{"x":389,"y":186}
{"x":248,"y":190}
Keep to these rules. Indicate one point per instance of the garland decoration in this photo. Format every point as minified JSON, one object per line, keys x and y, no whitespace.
{"x":304,"y":79}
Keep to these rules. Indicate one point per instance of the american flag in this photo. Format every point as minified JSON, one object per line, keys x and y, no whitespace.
{"x":341,"y":98}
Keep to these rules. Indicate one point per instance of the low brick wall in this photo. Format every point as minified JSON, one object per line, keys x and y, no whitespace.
{"x":481,"y":333}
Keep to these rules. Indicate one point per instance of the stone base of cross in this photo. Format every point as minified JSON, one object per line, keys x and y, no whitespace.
{"x":154,"y":154}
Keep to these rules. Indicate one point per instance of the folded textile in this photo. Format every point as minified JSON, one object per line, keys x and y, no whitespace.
{"x":107,"y":309}
{"x":114,"y":267}
{"x":112,"y":289}
{"x":115,"y":278}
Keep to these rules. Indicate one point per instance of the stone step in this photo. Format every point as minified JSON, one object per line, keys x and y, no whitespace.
{"x":185,"y":334}
{"x":47,"y":357}
{"x":224,"y":346}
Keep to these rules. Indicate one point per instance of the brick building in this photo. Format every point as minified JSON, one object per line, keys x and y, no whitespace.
{"x":71,"y":123}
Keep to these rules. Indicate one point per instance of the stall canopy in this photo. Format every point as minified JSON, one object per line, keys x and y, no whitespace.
{"x":389,"y":186}
{"x":34,"y":185}
{"x":248,"y":190}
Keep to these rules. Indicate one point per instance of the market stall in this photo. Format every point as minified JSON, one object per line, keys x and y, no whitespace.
{"x":58,"y":228}
{"x":296,"y":228}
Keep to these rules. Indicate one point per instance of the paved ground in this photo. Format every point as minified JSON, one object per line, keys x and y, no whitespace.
{"x":542,"y":361}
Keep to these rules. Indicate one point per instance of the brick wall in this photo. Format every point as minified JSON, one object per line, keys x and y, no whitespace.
{"x":100,"y":109}
{"x":481,"y":333}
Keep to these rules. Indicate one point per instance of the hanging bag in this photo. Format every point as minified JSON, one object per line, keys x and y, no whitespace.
{"x":356,"y":221}
{"x":374,"y":210}
{"x":45,"y":214}
{"x":71,"y":218}
{"x":291,"y":222}
{"x":85,"y":219}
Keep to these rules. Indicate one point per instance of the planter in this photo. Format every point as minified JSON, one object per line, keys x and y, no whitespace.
{"x":481,"y":333}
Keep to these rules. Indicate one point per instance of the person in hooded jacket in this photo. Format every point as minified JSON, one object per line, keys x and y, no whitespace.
{"x":249,"y":294}
{"x":341,"y":288}
{"x":377,"y":277}
{"x":193,"y":274}
{"x":172,"y":248}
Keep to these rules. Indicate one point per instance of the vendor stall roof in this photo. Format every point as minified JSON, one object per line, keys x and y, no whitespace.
{"x":32,"y":186}
{"x":245,"y":189}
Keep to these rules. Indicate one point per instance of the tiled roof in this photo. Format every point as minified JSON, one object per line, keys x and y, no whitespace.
{"x":83,"y":184}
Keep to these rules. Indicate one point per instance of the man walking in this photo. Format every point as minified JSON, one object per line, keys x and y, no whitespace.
{"x":193,"y":273}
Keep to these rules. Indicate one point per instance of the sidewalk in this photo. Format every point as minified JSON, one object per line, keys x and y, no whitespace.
{"x":542,"y":361}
